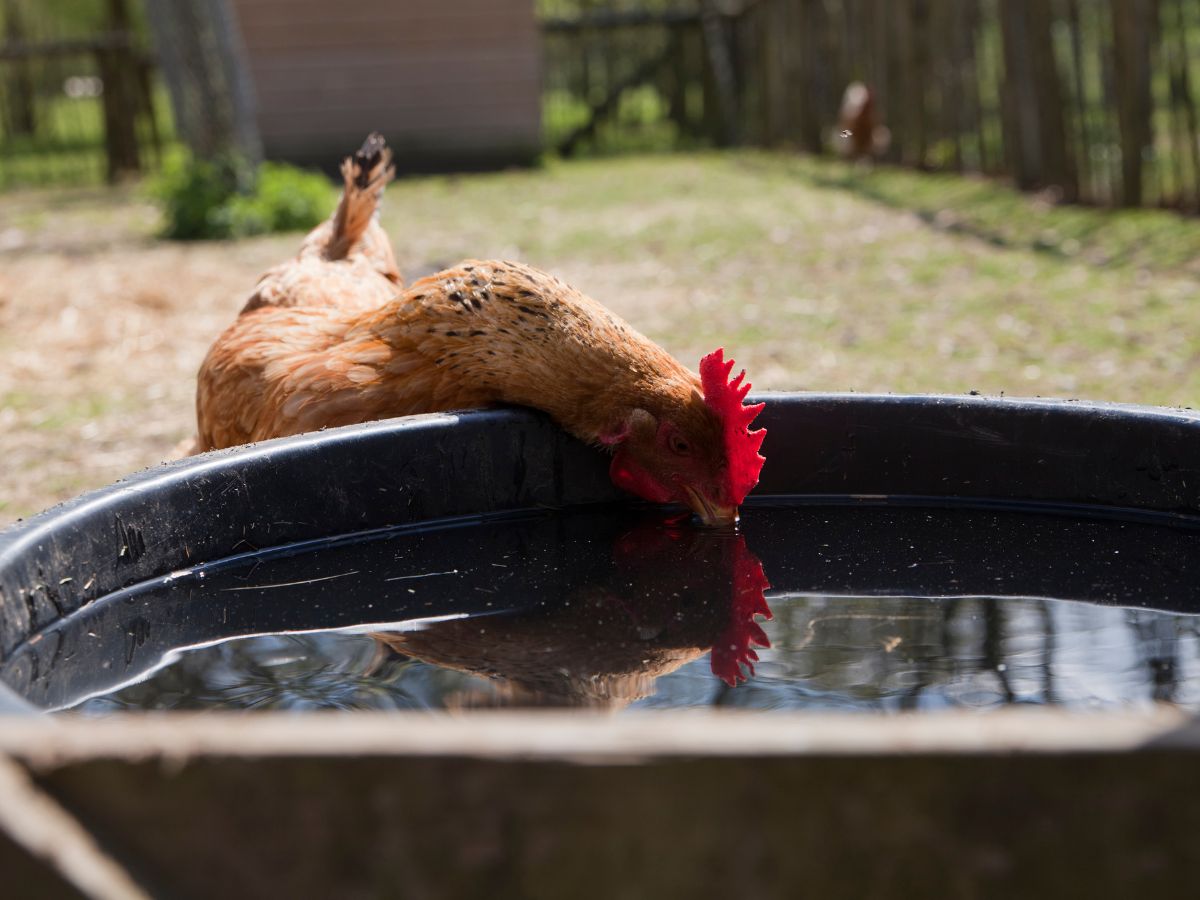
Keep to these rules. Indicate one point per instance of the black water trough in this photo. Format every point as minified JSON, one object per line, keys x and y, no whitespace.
{"x":923,"y":553}
{"x":922,"y":498}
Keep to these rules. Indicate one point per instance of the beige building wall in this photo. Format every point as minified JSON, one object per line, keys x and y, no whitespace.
{"x":450,"y":83}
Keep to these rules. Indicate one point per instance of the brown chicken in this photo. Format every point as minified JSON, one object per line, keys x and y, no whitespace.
{"x":861,"y":135}
{"x":300,"y":358}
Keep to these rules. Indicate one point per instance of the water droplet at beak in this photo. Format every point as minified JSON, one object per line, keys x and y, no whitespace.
{"x":711,"y":513}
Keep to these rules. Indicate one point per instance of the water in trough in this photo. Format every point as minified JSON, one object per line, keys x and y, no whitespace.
{"x":871,"y":607}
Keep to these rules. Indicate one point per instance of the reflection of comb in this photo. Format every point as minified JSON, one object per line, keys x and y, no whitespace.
{"x":727,"y":399}
{"x":733,"y":646}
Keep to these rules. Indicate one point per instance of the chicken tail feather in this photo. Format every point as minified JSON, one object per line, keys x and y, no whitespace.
{"x":365,"y":175}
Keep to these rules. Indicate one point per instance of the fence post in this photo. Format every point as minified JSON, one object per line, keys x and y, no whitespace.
{"x":1035,"y":133}
{"x":909,"y":115}
{"x":1056,"y":165}
{"x":1181,"y":98}
{"x":1083,"y":142}
{"x":20,"y":118}
{"x":892,"y":105}
{"x":716,"y":42}
{"x":948,"y":77}
{"x":918,"y":36}
{"x":1131,"y":60}
{"x":1019,"y":110}
{"x":968,"y":24}
{"x":773,"y":78}
{"x":809,"y":23}
{"x":118,"y":72}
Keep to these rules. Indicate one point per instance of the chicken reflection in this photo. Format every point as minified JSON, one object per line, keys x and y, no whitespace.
{"x":674,"y":594}
{"x":617,"y":608}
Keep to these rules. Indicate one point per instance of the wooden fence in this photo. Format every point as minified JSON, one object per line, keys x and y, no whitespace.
{"x":76,"y":98}
{"x":627,"y":78}
{"x":1093,"y":100}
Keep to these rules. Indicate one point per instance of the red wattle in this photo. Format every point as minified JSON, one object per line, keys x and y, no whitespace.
{"x":628,"y":476}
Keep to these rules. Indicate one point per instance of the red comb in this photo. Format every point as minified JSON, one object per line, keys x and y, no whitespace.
{"x":727,"y":399}
{"x":734,"y":646}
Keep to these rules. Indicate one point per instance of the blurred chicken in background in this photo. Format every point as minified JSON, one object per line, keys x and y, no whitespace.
{"x":860,"y":134}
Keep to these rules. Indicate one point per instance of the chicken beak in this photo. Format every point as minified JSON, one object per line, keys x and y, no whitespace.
{"x":710,"y":513}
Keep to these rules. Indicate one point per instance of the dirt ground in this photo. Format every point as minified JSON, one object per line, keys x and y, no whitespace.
{"x":101,"y":332}
{"x":102,"y":327}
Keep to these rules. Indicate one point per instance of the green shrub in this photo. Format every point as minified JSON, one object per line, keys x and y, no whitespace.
{"x":202,"y":199}
{"x":191,"y":194}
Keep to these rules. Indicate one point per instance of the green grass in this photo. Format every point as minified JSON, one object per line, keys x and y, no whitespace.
{"x":991,"y":211}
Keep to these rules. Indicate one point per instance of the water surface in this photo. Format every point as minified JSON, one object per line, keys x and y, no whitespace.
{"x":831,"y":653}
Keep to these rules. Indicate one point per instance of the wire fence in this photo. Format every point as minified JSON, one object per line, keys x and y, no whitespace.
{"x":79,"y":102}
{"x":621,"y":77}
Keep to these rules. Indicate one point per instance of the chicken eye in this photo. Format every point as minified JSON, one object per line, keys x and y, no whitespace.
{"x":680,"y":446}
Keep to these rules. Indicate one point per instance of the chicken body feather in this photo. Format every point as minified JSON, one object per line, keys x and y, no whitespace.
{"x":477,"y":334}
